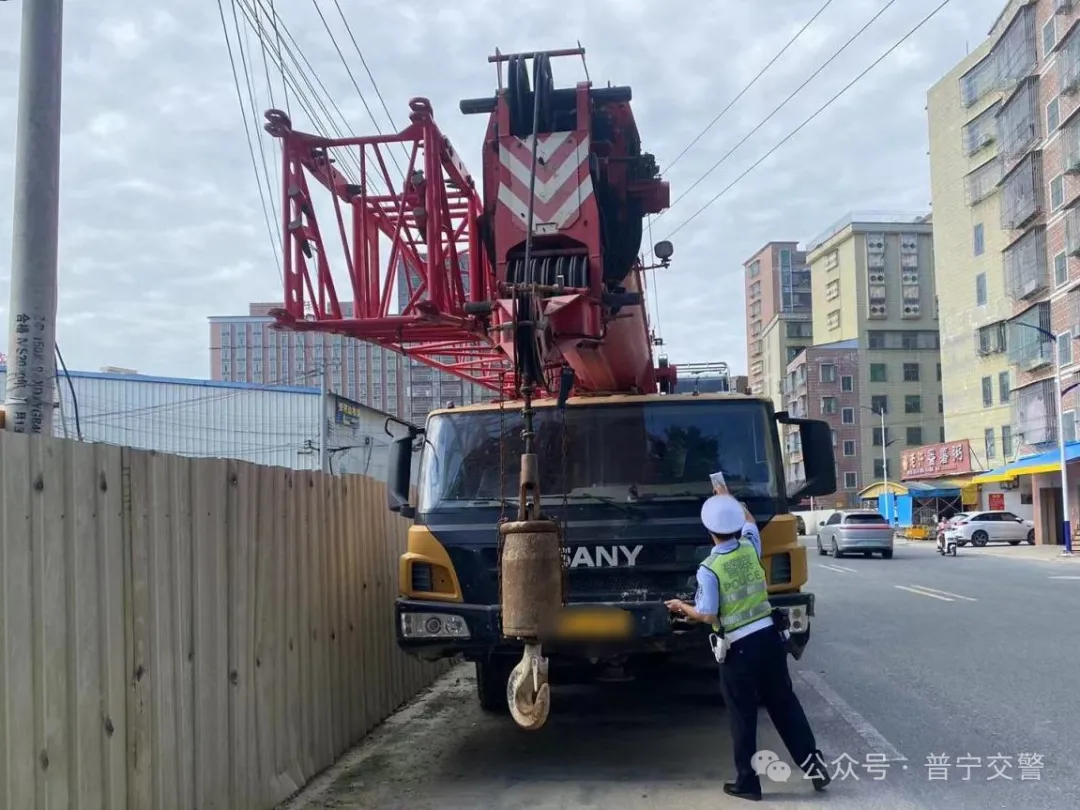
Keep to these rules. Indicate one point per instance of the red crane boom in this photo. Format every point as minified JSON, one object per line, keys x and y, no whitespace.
{"x":472,"y":274}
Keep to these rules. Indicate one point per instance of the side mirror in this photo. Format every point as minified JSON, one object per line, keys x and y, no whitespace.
{"x":818,"y":458}
{"x":399,"y":476}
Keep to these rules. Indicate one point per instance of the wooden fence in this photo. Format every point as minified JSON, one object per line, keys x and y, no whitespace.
{"x":187,"y":633}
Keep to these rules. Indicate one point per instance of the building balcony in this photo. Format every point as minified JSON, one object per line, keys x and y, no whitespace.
{"x":1029,"y":348}
{"x":1022,"y":193}
{"x":1026,"y":270}
{"x":1034,"y":416}
{"x":1018,"y":122}
{"x":1069,"y":66}
{"x":981,"y":131}
{"x":983,"y":182}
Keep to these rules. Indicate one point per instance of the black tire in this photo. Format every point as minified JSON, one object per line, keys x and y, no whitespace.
{"x":980,"y":539}
{"x":1031,"y":537}
{"x":886,"y":555}
{"x":836,"y":552}
{"x":820,"y":548}
{"x":1014,"y":542}
{"x":491,"y":677}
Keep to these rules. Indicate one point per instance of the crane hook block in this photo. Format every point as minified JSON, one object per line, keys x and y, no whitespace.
{"x":528,"y":693}
{"x":531,"y":574}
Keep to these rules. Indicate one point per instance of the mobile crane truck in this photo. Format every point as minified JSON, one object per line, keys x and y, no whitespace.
{"x":549,"y":524}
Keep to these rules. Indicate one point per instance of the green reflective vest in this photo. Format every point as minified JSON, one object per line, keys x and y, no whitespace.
{"x":744,"y":594}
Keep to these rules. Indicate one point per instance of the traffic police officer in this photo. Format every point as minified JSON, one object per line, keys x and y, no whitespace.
{"x":732,"y":597}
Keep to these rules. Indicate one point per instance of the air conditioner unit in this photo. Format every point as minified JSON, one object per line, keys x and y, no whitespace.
{"x":910,"y":278}
{"x":985,"y":140}
{"x":877,"y":278}
{"x":912,"y":310}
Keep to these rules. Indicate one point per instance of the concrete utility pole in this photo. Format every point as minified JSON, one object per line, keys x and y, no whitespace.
{"x":324,"y":420}
{"x":31,"y":370}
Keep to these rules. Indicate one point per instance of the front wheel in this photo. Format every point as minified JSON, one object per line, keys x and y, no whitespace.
{"x":886,"y":555}
{"x":1031,"y":538}
{"x":979,"y":539}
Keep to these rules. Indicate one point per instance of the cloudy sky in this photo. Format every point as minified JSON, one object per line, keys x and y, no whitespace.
{"x":161,"y":219}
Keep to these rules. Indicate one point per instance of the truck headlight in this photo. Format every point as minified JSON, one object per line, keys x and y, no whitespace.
{"x":433,"y":625}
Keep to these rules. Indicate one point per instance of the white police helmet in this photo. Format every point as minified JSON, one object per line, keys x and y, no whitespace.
{"x":722,"y":514}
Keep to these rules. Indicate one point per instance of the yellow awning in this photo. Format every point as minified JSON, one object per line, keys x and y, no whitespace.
{"x":1040,"y":468}
{"x":878,"y":488}
{"x":994,"y":476}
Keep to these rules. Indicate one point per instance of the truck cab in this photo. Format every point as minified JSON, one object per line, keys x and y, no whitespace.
{"x":625,"y":477}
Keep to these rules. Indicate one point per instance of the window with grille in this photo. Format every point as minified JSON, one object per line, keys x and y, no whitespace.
{"x":1025,"y":265}
{"x":1021,"y":192}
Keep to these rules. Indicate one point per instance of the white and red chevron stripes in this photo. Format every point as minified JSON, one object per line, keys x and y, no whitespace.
{"x":563,"y":183}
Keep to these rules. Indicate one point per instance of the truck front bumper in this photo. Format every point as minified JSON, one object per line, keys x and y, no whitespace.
{"x":432,"y":630}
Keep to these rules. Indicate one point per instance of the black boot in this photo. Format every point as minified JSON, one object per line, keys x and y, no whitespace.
{"x":818,"y":771}
{"x":731,"y":790}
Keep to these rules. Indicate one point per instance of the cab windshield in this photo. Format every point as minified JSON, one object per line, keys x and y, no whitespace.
{"x":637,"y":451}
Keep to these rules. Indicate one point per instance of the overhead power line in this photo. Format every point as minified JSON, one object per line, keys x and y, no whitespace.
{"x":753,"y":81}
{"x":781,"y":105}
{"x":247,"y":133}
{"x":352,"y":78}
{"x":367,"y":70}
{"x":815,"y":114}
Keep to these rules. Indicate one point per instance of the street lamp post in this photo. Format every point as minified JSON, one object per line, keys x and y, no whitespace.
{"x":884,"y":460}
{"x":1066,"y":523}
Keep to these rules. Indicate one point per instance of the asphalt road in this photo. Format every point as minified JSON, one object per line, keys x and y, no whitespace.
{"x":969,"y":658}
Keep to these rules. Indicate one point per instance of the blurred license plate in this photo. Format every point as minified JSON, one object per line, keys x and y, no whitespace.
{"x":593,"y":623}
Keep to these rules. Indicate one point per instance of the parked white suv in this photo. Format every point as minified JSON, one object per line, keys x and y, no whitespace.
{"x":980,"y":528}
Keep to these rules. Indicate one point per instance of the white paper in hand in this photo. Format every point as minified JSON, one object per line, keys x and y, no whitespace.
{"x":717,"y":479}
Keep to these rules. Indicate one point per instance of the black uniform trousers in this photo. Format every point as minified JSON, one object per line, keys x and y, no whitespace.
{"x":757,"y":664}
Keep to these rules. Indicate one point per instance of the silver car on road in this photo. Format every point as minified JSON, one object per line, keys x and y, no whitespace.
{"x":856,"y":531}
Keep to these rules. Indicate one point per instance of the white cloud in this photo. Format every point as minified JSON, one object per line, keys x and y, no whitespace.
{"x":161,"y":220}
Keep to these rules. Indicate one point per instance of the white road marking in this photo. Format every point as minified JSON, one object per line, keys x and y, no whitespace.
{"x":839,"y":568}
{"x":1064,"y":577}
{"x":862,"y":726}
{"x":924,"y":593}
{"x":946,"y":593}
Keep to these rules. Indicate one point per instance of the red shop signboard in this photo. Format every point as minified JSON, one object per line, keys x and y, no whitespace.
{"x":935,"y":460}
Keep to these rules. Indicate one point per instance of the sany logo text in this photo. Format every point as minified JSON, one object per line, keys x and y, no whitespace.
{"x":601,"y":556}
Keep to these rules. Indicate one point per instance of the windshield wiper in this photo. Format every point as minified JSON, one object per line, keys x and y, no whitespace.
{"x":625,"y":508}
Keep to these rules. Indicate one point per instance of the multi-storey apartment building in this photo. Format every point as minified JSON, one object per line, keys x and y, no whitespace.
{"x":778,"y":319}
{"x":823,"y":382}
{"x":873,"y":286}
{"x":973,"y":309}
{"x":429,"y":388}
{"x":1015,"y":102}
{"x":245,"y":349}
